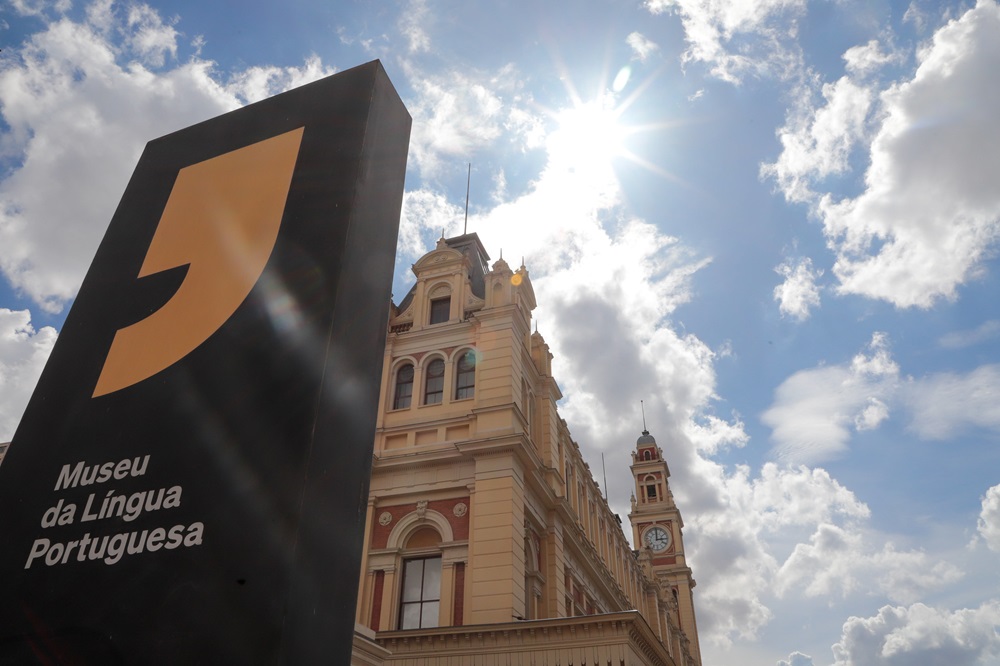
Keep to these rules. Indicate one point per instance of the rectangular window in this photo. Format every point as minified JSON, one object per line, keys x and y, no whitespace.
{"x":440,"y":310}
{"x":421,"y":599}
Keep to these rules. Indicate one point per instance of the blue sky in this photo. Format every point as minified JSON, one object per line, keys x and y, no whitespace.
{"x":774,"y":221}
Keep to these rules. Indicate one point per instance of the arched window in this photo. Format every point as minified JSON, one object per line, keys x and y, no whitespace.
{"x":439,"y":304}
{"x":465,"y":379}
{"x":420,"y":595}
{"x":650,"y":483}
{"x":434,"y":382}
{"x":646,"y":455}
{"x":534,"y":582}
{"x":404,"y":387}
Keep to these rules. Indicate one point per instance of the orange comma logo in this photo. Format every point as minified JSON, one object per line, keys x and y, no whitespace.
{"x":221,"y":220}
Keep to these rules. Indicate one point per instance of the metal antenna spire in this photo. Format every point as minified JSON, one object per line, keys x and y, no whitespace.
{"x":643,"y":408}
{"x":605,"y":477}
{"x":468,"y":182}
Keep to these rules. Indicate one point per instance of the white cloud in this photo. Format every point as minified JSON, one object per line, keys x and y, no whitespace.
{"x":989,"y":519}
{"x":412,"y":26}
{"x":642,"y":46}
{"x":930,"y":212}
{"x":867,"y":58}
{"x":945,"y":404}
{"x":457,"y":113}
{"x":735,"y":529}
{"x":960,"y":339}
{"x":79,"y":108}
{"x":424,"y":210}
{"x":814,"y":410}
{"x":817,"y":142}
{"x":798,"y":293}
{"x":838,"y":561}
{"x":872,"y":415}
{"x":915,"y":15}
{"x":39,"y":7}
{"x":23,"y":352}
{"x":796,"y":659}
{"x":259,"y":82}
{"x":712,"y":435}
{"x":607,"y":293}
{"x":919,"y":634}
{"x":739,"y":37}
{"x":148,"y":37}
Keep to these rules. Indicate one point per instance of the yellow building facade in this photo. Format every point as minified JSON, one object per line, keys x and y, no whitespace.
{"x":486,"y":532}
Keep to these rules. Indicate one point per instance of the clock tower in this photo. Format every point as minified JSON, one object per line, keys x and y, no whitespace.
{"x":656,"y":529}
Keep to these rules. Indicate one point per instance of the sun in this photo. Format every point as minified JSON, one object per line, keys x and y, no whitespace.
{"x":590,"y":136}
{"x":588,"y":132}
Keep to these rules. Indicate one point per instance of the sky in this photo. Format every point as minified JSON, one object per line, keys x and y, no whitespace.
{"x":775,"y":222}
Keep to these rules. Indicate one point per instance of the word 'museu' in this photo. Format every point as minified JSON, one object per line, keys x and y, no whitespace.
{"x":84,"y":475}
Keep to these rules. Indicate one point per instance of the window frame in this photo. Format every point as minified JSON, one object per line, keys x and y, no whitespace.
{"x":437,"y":307}
{"x":396,"y":397}
{"x":650,"y":482}
{"x":421,"y":603}
{"x":467,"y":374}
{"x":439,"y":385}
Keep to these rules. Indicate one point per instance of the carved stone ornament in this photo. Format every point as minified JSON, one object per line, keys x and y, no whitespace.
{"x":460,"y":509}
{"x":421,"y":508}
{"x":385,"y":518}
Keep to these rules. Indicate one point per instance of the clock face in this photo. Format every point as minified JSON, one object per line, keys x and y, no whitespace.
{"x":657,"y":538}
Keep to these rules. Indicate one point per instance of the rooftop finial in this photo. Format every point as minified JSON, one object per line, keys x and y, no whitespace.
{"x":643,"y":408}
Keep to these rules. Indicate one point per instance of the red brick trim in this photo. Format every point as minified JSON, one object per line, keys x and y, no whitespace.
{"x":459,"y":603}
{"x":377,"y":599}
{"x":459,"y":524}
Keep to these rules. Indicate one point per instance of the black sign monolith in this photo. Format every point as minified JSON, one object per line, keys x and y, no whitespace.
{"x":189,"y":481}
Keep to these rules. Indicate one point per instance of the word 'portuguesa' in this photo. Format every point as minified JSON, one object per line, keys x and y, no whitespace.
{"x":111,"y":549}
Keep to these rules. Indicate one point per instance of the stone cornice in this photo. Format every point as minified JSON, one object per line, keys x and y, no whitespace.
{"x":625,"y":629}
{"x":417,"y":459}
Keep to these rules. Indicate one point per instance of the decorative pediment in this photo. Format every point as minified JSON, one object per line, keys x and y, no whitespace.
{"x":440,"y":259}
{"x":439,"y":290}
